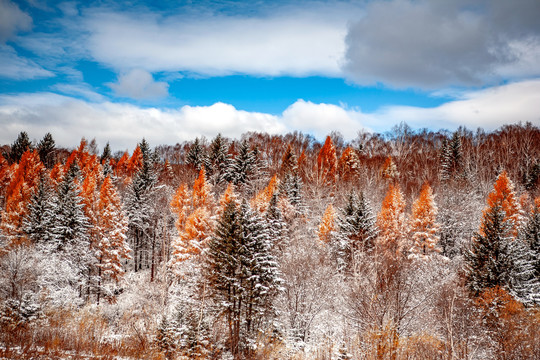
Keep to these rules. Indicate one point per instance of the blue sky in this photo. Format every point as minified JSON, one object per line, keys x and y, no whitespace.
{"x":181,"y":69}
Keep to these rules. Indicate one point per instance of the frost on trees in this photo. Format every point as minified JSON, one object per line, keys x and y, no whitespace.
{"x":243,"y":275}
{"x":423,"y":224}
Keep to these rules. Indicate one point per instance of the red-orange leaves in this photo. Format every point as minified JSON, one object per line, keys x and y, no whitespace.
{"x":391,"y":222}
{"x":327,"y":163}
{"x":327,"y":225}
{"x":424,"y":226}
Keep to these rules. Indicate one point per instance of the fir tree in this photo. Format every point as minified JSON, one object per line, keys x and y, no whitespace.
{"x":219,"y":159}
{"x":105,"y":160}
{"x":531,"y":235}
{"x":242,"y":273}
{"x":38,"y":224}
{"x":488,"y":261}
{"x":46,"y":148}
{"x":196,"y":156}
{"x":243,"y":166}
{"x":19,"y":147}
{"x":291,"y":189}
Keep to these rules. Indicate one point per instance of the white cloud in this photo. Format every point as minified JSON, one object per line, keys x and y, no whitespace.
{"x":297,"y":42}
{"x":139,"y":84}
{"x":15,"y":67}
{"x":69,"y":119}
{"x":12,"y":20}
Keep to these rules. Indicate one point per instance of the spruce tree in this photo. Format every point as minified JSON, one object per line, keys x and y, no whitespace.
{"x":19,"y":147}
{"x":243,"y":274}
{"x":218,"y":159}
{"x":531,"y":235}
{"x":38,"y":224}
{"x":105,"y":160}
{"x":46,"y":148}
{"x":196,"y":156}
{"x":488,"y":261}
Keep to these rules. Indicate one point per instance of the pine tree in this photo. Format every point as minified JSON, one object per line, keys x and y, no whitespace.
{"x":196,"y":156}
{"x":219,"y":159}
{"x":112,"y":250}
{"x":46,"y":148}
{"x":423,"y":224}
{"x":531,"y":235}
{"x":71,"y":225}
{"x":105,"y":160}
{"x":327,"y":163}
{"x":391,"y":222}
{"x":38,"y":224}
{"x":357,"y":225}
{"x":488,"y":261}
{"x":242,"y":273}
{"x":243,"y":166}
{"x":19,"y":147}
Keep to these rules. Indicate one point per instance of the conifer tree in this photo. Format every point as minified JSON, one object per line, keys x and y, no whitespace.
{"x":288,"y":162}
{"x":488,"y":261}
{"x":531,"y":235}
{"x":261,"y":201}
{"x":219,"y":159}
{"x":24,"y":180}
{"x":348,"y":164}
{"x":357,"y":225}
{"x":202,"y":196}
{"x":243,"y":166}
{"x":277,"y":228}
{"x":112,"y":250}
{"x":327,"y":163}
{"x":19,"y":147}
{"x":503,"y":195}
{"x":391,"y":222}
{"x":105,"y":160}
{"x":243,"y":274}
{"x":291,"y":189}
{"x":196,"y":156}
{"x":423,"y":224}
{"x":46,"y":148}
{"x":38,"y":224}
{"x":327,"y":226}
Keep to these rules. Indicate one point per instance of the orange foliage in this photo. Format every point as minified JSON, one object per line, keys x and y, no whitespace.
{"x":262,"y":199}
{"x":122,"y":165}
{"x":19,"y":191}
{"x":503,"y":195}
{"x":327,"y":163}
{"x":389,"y":169}
{"x":135,"y":162}
{"x":328,"y":224}
{"x":112,"y":225}
{"x":180,"y":204}
{"x":424,"y":226}
{"x":391,"y":222}
{"x":201,"y":191}
{"x":348,"y":164}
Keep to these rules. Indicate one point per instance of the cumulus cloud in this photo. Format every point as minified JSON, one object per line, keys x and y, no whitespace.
{"x":19,"y":68}
{"x":139,"y":84}
{"x":294,"y":42}
{"x":123,"y":125}
{"x":12,"y":20}
{"x":426,"y":44}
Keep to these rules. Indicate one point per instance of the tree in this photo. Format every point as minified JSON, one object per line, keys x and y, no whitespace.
{"x":503,"y":195}
{"x":18,"y":193}
{"x":105,"y":160}
{"x":38,"y":224}
{"x":261,"y":201}
{"x":46,"y":148}
{"x":423,"y":224}
{"x":19,"y":147}
{"x":196,"y":156}
{"x":243,"y":166}
{"x":389,"y":169}
{"x":112,"y":249}
{"x":291,"y":189}
{"x":357,"y":228}
{"x":391,"y":222}
{"x":327,"y":226}
{"x":488,"y":260}
{"x":327,"y":163}
{"x":243,"y":274}
{"x":219,"y":159}
{"x":348,"y":164}
{"x":531,"y":235}
{"x":202,"y":196}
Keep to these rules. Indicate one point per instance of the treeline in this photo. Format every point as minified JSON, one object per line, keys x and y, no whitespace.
{"x":397,"y":245}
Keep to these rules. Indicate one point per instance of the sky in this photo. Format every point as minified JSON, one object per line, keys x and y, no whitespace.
{"x":171,"y":71}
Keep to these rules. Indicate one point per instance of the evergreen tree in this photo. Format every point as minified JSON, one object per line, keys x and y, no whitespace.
{"x":291,"y":189}
{"x":243,"y":166}
{"x":105,"y":160}
{"x":489,"y":263}
{"x":531,"y":235}
{"x":46,"y":149}
{"x":356,"y":226}
{"x":38,"y":224}
{"x":277,"y":228}
{"x":197,"y":157}
{"x":19,"y":147}
{"x":71,"y":224}
{"x":243,"y":274}
{"x":219,"y":159}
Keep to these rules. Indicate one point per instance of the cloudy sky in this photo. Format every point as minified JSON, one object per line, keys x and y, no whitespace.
{"x":182,"y":69}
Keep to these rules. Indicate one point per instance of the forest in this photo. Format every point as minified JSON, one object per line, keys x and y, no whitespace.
{"x":412,"y":244}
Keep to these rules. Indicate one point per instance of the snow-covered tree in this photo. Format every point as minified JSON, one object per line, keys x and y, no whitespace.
{"x":38,"y":224}
{"x":423,"y":224}
{"x":243,"y":274}
{"x":327,"y":226}
{"x":197,"y":156}
{"x":392,"y":223}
